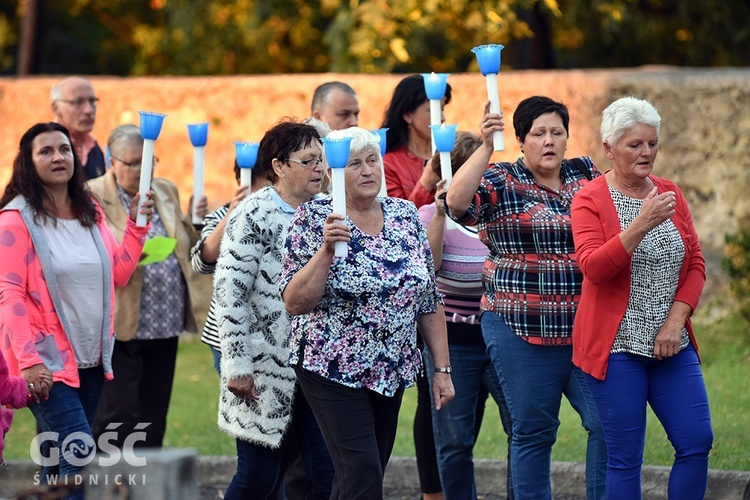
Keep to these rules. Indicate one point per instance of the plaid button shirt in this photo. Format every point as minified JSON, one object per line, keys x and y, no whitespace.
{"x":530,"y":278}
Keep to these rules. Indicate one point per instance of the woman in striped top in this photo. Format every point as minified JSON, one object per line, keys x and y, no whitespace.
{"x":459,"y":257}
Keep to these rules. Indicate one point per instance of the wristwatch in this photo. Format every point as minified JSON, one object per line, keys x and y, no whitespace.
{"x":444,"y":369}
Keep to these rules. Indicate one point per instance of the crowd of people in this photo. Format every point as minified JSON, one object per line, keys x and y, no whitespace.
{"x":524,"y":281}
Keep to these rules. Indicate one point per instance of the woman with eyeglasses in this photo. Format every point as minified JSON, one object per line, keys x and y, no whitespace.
{"x":59,"y":266}
{"x":260,"y":404}
{"x":354,"y":332}
{"x":155,"y":306}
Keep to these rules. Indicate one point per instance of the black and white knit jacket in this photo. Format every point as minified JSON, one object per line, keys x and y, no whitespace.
{"x":253,"y":323}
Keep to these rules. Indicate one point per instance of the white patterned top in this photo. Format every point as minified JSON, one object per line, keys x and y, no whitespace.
{"x":655,"y":273}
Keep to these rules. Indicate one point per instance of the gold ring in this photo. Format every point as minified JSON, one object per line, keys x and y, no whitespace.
{"x":31,"y":385}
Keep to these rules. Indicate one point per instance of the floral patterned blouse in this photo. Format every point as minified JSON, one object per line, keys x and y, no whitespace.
{"x":363,"y":332}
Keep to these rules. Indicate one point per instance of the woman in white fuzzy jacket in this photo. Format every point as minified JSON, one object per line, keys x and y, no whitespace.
{"x":260,"y":403}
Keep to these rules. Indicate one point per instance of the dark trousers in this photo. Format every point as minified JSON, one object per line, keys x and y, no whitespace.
{"x":260,"y":468}
{"x":424,"y":440}
{"x":140,"y":392}
{"x":359,"y":427}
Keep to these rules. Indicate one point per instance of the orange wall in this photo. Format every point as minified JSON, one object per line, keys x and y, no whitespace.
{"x":243,"y":107}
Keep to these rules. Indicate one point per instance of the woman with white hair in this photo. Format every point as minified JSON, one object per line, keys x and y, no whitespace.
{"x":353,"y":336}
{"x":643,"y":273}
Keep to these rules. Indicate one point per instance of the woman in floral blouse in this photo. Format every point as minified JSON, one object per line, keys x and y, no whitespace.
{"x":353,"y":337}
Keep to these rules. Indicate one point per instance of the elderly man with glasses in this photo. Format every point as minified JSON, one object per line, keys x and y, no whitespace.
{"x":74,"y":106}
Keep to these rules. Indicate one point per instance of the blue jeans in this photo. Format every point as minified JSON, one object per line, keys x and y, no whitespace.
{"x":260,"y":469}
{"x":67,"y":411}
{"x":675,"y":390}
{"x":455,"y":424}
{"x":217,"y":359}
{"x":534,"y":378}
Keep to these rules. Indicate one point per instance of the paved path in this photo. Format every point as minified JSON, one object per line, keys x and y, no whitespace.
{"x":401,"y":483}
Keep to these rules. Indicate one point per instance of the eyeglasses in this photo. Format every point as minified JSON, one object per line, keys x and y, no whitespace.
{"x":135,"y":164}
{"x":311,"y":163}
{"x":81,"y":101}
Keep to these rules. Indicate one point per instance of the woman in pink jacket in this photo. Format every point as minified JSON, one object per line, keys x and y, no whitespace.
{"x":59,"y":265}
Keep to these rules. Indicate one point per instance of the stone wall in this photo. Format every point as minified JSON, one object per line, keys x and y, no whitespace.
{"x":705,"y":138}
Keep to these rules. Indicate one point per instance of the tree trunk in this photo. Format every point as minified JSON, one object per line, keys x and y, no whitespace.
{"x":29,"y":33}
{"x":536,"y":52}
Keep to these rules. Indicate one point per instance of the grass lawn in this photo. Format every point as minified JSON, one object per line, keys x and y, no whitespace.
{"x":726,"y":367}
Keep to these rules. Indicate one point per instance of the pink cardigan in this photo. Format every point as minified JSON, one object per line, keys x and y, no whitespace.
{"x":28,"y":314}
{"x":605,"y":265}
{"x":13,"y":394}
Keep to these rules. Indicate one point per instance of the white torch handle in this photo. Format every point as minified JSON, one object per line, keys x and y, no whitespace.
{"x":339,"y":204}
{"x":446,"y":172}
{"x":446,"y":168}
{"x":436,"y":113}
{"x":147,"y":166}
{"x":198,"y":161}
{"x":494,"y":97}
{"x":246,"y":177}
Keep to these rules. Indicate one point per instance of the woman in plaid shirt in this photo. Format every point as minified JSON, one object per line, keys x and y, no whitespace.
{"x":531,"y":285}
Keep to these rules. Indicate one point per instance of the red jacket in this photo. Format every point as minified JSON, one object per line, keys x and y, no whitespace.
{"x":605,"y":265}
{"x":402,"y":173}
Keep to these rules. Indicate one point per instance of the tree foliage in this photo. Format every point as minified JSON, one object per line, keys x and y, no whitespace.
{"x":199,"y":37}
{"x":610,"y":33}
{"x":736,"y":264}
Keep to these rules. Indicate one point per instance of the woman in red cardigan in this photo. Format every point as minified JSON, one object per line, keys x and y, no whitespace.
{"x":643,"y":275}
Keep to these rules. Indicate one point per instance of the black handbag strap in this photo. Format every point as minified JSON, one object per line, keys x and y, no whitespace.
{"x":581,"y":166}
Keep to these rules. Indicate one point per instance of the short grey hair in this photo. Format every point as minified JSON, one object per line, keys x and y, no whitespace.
{"x":55,"y":94}
{"x":322,"y":94}
{"x":322,"y":127}
{"x":625,"y":113}
{"x":362,"y":140}
{"x":123,"y":137}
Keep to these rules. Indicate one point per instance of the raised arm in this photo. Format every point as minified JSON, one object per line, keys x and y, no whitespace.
{"x":466,"y":180}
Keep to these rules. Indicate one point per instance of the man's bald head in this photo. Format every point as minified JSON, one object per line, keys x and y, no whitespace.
{"x":335,"y":103}
{"x":74,"y":104}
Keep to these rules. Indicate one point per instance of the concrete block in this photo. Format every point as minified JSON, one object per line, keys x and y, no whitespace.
{"x":168,"y":474}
